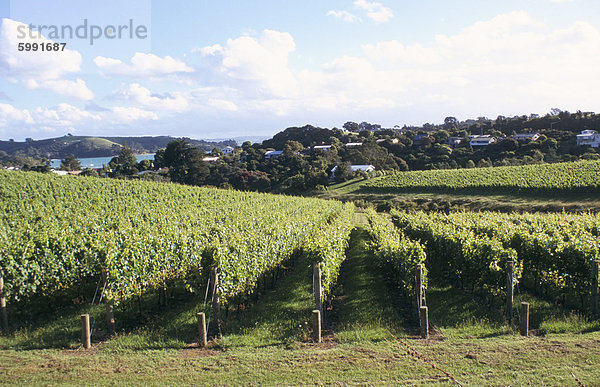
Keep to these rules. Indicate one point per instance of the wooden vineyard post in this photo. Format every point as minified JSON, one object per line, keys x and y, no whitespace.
{"x":164,"y":294}
{"x":202,"y":329}
{"x":3,"y":307}
{"x":316,"y":323}
{"x":594,"y":306}
{"x":110,"y":314}
{"x":424,"y":317}
{"x":85,"y":331}
{"x":419,"y":286}
{"x":509,"y":290}
{"x":524,"y":318}
{"x":318,"y":289}
{"x":216,"y":303}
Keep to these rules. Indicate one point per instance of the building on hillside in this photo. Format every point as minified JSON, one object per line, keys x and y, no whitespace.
{"x":419,"y":139}
{"x":227,"y":150}
{"x":526,"y":136}
{"x":322,"y":147}
{"x":482,"y":140}
{"x":391,"y":140}
{"x":353,"y":144}
{"x":211,"y":159}
{"x":59,"y":172}
{"x":353,"y":168}
{"x":454,"y":141}
{"x":273,"y":154}
{"x":589,"y":138}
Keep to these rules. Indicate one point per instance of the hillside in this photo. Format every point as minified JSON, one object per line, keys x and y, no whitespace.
{"x":575,"y":177}
{"x":558,"y":187}
{"x":89,"y":146}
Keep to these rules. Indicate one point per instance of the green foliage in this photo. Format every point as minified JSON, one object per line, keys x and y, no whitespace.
{"x":70,"y":163}
{"x":395,"y":253}
{"x":328,"y":246}
{"x":185,"y":163}
{"x":553,"y":251}
{"x":579,"y":176}
{"x":459,"y":255}
{"x":58,"y":232}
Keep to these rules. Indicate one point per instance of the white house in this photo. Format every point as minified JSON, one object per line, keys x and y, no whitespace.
{"x":392,"y":140}
{"x":353,"y":168}
{"x":352,"y":144}
{"x":589,"y":137}
{"x":227,"y":150}
{"x":482,"y":140}
{"x":454,"y":141}
{"x":212,"y":159}
{"x":526,"y":136}
{"x":322,"y":147}
{"x":273,"y":154}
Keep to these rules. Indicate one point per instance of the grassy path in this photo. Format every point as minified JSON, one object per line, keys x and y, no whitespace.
{"x":366,"y":310}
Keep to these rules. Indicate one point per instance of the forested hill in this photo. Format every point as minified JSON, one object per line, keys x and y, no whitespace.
{"x":86,"y":146}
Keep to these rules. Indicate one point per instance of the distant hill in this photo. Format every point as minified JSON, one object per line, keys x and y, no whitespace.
{"x":87,"y":146}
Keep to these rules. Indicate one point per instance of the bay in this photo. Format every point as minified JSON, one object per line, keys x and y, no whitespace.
{"x":98,"y":162}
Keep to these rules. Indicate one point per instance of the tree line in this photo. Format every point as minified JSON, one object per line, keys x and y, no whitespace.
{"x":300,"y":167}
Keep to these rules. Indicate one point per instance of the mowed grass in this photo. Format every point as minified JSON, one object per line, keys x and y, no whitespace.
{"x":353,"y":190}
{"x":367,"y":311}
{"x":366,"y":336}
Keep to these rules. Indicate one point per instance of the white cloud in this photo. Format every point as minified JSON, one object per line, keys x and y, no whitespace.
{"x":129,"y":114}
{"x":375,"y":11}
{"x":511,"y":62}
{"x":67,"y":117}
{"x":343,"y":15}
{"x":37,"y":69}
{"x":142,"y":66}
{"x":260,"y":63}
{"x":10,"y":113}
{"x":222,"y":104}
{"x":175,"y":102}
{"x":395,"y":51}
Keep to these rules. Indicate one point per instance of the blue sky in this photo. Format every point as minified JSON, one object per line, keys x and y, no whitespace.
{"x":252,"y":68}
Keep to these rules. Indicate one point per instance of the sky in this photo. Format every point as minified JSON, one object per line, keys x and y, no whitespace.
{"x":215,"y":70}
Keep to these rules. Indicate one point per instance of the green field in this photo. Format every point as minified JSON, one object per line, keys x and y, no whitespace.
{"x":576,"y":177}
{"x":572,"y":187}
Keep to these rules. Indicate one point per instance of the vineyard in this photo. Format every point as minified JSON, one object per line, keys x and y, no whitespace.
{"x":552,"y":253}
{"x":63,"y":237}
{"x":59,"y":233}
{"x":575,"y":177}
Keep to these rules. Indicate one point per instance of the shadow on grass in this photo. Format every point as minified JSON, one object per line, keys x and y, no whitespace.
{"x":61,"y":329}
{"x":457,"y":313}
{"x":365,"y":307}
{"x":281,"y":317}
{"x":546,"y":317}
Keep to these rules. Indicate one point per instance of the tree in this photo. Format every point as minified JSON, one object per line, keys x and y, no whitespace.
{"x":159,"y":159}
{"x":89,"y":172}
{"x":450,"y":123}
{"x":70,"y":163}
{"x":185,"y":163}
{"x":144,"y":165}
{"x":351,"y":126}
{"x":125,"y":164}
